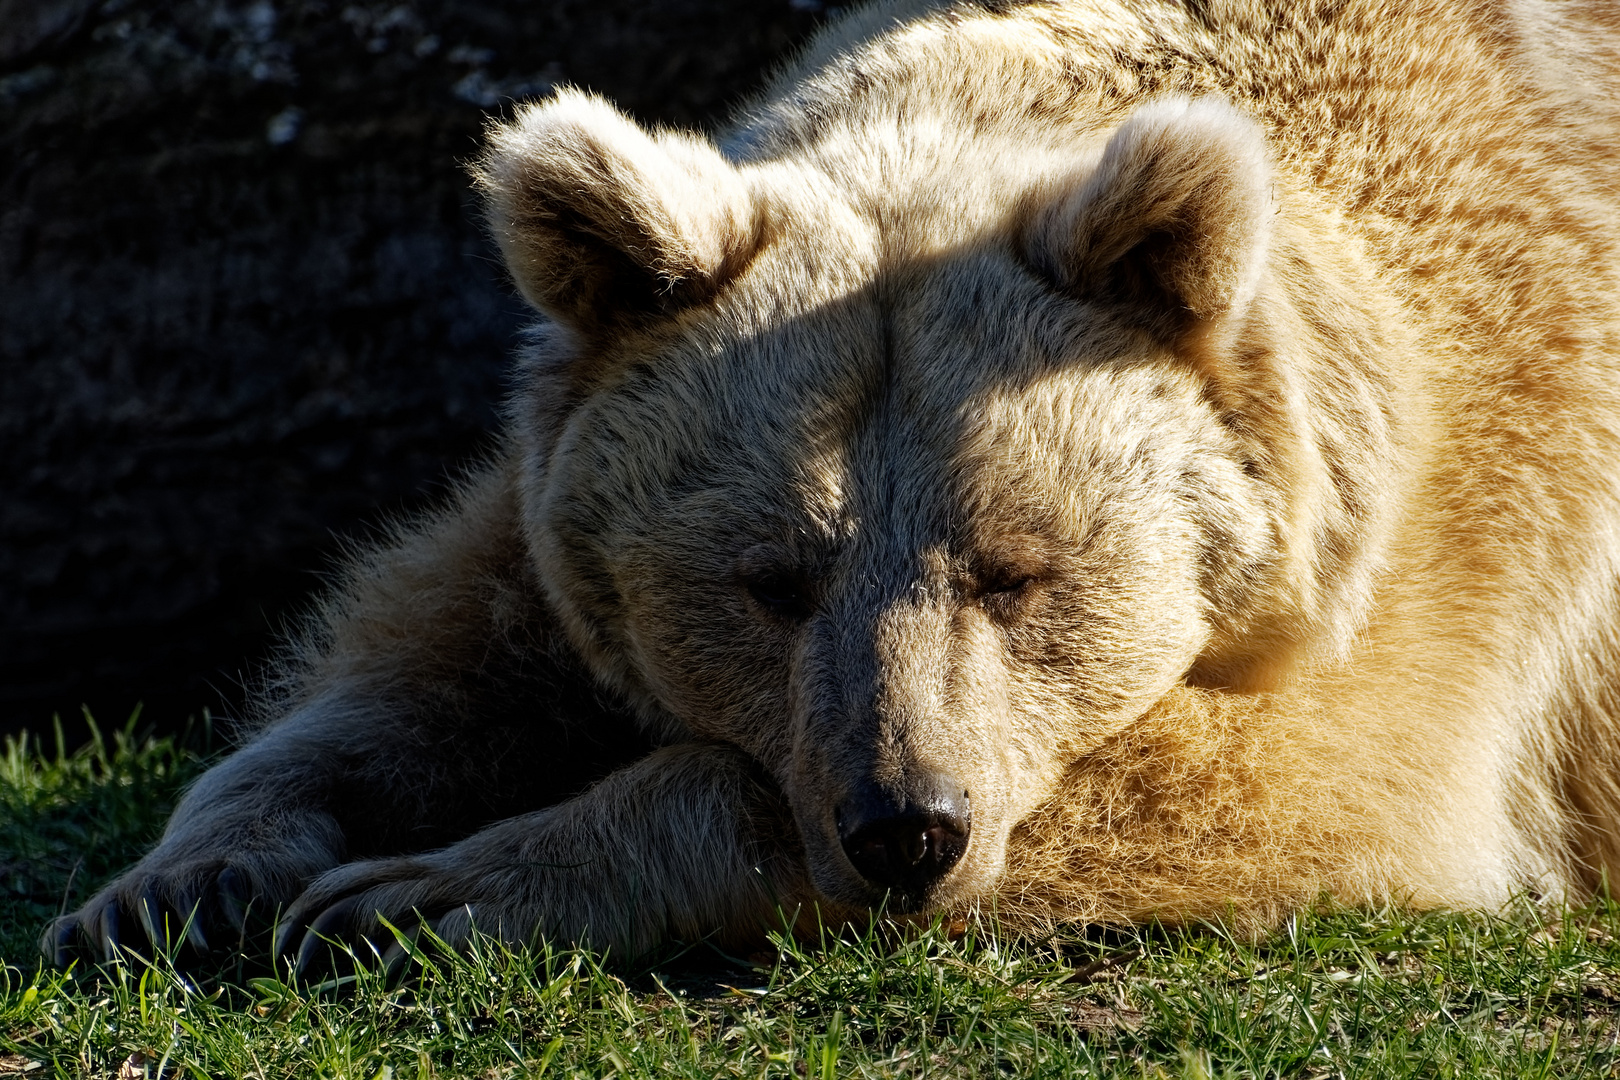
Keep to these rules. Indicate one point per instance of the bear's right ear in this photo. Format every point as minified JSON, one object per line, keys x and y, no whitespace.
{"x":601,"y":222}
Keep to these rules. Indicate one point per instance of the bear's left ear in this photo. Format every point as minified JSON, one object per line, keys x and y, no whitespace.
{"x":602,"y":222}
{"x":1175,"y":221}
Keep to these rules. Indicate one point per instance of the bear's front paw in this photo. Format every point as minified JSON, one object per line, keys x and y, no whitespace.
{"x":179,"y":909}
{"x":352,"y":908}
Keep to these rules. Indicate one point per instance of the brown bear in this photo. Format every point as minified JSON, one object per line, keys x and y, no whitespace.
{"x":1086,"y":460}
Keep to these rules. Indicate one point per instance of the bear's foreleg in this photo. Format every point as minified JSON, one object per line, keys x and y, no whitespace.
{"x":434,"y":698}
{"x":690,"y":841}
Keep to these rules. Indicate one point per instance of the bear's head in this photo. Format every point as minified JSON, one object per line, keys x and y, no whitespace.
{"x":918,"y":471}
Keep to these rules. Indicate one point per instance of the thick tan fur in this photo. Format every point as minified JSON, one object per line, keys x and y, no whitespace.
{"x":1189,"y":427}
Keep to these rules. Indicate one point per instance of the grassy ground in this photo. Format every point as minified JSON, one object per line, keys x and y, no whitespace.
{"x":1340,"y":994}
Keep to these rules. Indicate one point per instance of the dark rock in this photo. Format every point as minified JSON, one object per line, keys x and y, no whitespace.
{"x":245,"y":303}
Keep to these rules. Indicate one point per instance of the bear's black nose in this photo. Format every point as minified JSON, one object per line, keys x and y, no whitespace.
{"x":905,"y":843}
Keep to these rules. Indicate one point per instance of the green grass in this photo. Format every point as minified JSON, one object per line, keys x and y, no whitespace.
{"x":1339,"y":994}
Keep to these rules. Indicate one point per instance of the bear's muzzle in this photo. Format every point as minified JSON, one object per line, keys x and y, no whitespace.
{"x":905,"y":843}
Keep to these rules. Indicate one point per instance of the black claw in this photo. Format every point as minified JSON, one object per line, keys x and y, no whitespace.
{"x":329,"y":925}
{"x":305,"y":959}
{"x":195,"y":938}
{"x":107,"y":935}
{"x":234,"y":898}
{"x":154,"y":919}
{"x":286,"y":940}
{"x":334,"y":920}
{"x":62,"y":941}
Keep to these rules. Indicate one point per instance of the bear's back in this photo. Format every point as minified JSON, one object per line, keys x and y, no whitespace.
{"x":1473,"y":146}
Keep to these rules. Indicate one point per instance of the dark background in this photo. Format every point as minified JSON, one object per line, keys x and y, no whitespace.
{"x":246,"y":307}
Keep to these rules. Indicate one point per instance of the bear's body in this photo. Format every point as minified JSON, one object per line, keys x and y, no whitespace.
{"x":1100,"y":460}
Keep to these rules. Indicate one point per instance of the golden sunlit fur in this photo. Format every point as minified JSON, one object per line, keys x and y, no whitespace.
{"x":1182,"y":436}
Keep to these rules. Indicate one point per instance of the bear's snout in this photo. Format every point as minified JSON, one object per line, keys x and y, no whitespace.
{"x":905,"y":843}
